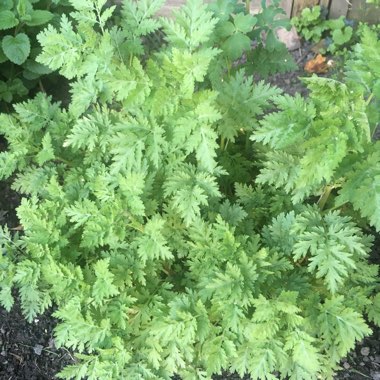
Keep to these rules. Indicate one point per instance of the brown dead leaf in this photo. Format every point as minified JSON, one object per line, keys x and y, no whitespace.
{"x":317,"y":65}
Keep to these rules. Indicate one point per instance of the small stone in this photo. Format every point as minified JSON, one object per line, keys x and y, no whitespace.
{"x":375,"y":375}
{"x":362,"y":364}
{"x":365,"y":359}
{"x":37,"y":349}
{"x":346,"y":365}
{"x":3,"y":353}
{"x":365,"y":351}
{"x":290,"y":38}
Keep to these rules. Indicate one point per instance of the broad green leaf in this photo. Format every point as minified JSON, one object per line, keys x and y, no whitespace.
{"x":6,"y":5}
{"x":235,"y":45}
{"x":244,"y":23}
{"x":342,"y":36}
{"x":36,"y":68}
{"x":225,"y":29}
{"x":17,"y":48}
{"x":39,"y":17}
{"x":24,"y":7}
{"x":8,"y":20}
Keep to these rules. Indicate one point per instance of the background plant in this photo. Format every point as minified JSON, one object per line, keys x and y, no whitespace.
{"x":313,"y":26}
{"x":163,"y":234}
{"x":20,"y":22}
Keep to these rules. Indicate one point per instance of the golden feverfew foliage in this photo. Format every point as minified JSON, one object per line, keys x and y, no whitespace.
{"x":170,"y":242}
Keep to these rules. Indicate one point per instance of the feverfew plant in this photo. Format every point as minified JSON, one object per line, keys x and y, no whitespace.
{"x":168,"y":240}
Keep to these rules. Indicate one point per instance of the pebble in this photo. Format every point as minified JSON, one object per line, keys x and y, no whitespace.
{"x":365,"y":359}
{"x":346,"y":365}
{"x":37,"y":349}
{"x":375,"y":375}
{"x":365,"y":351}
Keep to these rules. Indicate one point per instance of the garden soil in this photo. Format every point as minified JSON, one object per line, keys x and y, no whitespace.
{"x":27,"y":350}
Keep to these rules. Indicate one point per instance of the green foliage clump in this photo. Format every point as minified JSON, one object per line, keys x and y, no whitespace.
{"x":169,"y":241}
{"x":20,"y":22}
{"x":313,"y":26}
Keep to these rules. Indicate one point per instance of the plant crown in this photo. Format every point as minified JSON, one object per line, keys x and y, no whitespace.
{"x":176,"y":228}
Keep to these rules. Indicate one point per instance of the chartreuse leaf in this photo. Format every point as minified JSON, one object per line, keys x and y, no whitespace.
{"x":6,"y":297}
{"x":103,"y":286}
{"x":362,"y":187}
{"x":153,"y":245}
{"x":47,"y":152}
{"x":61,"y":50}
{"x":17,"y":48}
{"x":193,"y":25}
{"x":342,"y":325}
{"x":373,"y":310}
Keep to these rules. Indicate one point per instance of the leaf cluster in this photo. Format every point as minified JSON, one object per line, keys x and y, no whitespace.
{"x":20,"y":22}
{"x":335,"y":33}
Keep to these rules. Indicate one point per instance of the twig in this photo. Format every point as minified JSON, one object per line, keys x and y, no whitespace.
{"x":359,"y":373}
{"x":68,"y":353}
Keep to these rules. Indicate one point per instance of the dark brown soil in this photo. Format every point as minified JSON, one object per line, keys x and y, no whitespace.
{"x":27,"y":350}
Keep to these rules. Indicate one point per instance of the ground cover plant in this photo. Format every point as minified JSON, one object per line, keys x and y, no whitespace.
{"x":178,"y":229}
{"x":335,"y":34}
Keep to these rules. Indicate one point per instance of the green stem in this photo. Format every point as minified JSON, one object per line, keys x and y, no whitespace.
{"x":228,"y":64}
{"x":369,"y":99}
{"x":222,"y":143}
{"x":336,"y":207}
{"x":60,"y":159}
{"x":325,"y":196}
{"x":42,"y":88}
{"x":248,"y":6}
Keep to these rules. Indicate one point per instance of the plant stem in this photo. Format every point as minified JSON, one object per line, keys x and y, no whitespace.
{"x":248,"y":6}
{"x":325,"y":196}
{"x":42,"y":88}
{"x":336,"y":207}
{"x":222,"y":143}
{"x":369,"y":99}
